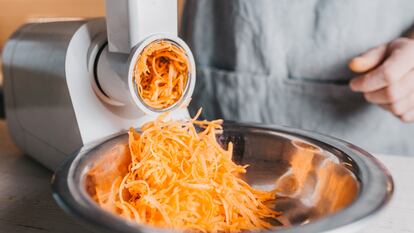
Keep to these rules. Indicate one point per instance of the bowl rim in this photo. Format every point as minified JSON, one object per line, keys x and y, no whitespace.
{"x":373,"y":196}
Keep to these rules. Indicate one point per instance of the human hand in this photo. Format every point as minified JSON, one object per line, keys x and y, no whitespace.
{"x":388,"y":77}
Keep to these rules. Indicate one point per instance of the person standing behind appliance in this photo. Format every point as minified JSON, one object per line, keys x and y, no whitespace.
{"x":286,"y":62}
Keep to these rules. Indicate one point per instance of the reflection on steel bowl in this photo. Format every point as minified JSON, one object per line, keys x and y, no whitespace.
{"x":324,"y":184}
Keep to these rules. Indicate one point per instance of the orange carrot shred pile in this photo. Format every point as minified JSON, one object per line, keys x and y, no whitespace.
{"x":161,"y":74}
{"x":181,"y":178}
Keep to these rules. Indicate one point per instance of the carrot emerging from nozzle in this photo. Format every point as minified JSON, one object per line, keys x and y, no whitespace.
{"x":181,"y":178}
{"x":161,"y":74}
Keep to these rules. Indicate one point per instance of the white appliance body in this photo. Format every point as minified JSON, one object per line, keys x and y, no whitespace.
{"x":53,"y":105}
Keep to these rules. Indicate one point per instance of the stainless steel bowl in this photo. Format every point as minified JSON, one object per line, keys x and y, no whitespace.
{"x":325,"y":184}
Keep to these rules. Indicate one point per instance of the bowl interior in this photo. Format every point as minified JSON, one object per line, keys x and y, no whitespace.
{"x":313,"y":179}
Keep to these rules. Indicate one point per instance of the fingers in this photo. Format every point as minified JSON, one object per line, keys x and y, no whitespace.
{"x":390,"y":78}
{"x":393,"y":68}
{"x":393,"y":92}
{"x":369,"y":60}
{"x":401,"y":107}
{"x":408,"y":117}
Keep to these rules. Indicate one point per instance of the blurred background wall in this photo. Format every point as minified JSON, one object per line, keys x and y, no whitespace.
{"x":14,"y":13}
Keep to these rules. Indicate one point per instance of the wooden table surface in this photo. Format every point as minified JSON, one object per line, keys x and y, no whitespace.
{"x":26,"y":203}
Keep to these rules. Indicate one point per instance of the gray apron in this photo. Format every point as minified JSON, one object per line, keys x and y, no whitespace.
{"x":285,"y":62}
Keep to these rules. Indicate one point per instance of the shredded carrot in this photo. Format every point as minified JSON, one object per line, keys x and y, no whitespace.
{"x":181,"y":178}
{"x":161,"y":74}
